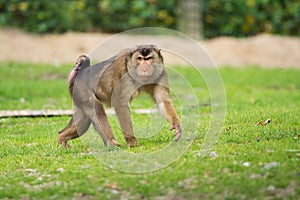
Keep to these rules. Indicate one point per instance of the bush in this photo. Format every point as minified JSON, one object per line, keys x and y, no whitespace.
{"x":86,"y":15}
{"x":116,"y":16}
{"x":238,"y":18}
{"x":242,"y":18}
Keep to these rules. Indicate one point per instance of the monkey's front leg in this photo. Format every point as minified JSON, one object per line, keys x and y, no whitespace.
{"x":123,"y":115}
{"x":167,"y":110}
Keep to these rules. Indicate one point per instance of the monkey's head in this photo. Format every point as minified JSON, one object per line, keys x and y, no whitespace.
{"x":145,"y":63}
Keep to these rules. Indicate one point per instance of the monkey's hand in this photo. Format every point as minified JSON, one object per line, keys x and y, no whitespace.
{"x":177,"y":133}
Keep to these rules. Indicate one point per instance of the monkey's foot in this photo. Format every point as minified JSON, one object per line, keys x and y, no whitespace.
{"x":177,"y":136}
{"x":134,"y":145}
{"x":113,"y":142}
{"x":64,"y":144}
{"x":177,"y":133}
{"x":131,"y":141}
{"x":63,"y":141}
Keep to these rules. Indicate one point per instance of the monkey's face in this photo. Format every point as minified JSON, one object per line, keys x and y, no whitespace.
{"x":146,"y":64}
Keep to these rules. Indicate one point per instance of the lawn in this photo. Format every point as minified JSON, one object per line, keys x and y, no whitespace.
{"x":247,"y":161}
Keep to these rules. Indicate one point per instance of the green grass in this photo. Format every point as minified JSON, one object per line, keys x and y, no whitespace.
{"x":33,"y":166}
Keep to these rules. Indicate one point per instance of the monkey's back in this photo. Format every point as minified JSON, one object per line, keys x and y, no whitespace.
{"x":100,"y":79}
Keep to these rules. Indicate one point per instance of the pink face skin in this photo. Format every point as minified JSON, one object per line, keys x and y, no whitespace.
{"x":145,"y":65}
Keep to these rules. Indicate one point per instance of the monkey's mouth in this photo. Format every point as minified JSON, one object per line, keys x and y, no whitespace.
{"x":145,"y":74}
{"x":142,"y":76}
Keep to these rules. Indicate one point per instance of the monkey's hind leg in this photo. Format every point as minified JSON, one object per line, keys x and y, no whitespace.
{"x":74,"y":130}
{"x":101,"y":124}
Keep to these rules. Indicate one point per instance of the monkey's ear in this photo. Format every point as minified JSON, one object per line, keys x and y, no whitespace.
{"x":160,"y":56}
{"x":128,"y":59}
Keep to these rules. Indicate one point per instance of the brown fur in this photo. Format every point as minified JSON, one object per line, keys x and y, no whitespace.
{"x":115,"y":82}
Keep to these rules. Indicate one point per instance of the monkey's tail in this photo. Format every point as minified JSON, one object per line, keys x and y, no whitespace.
{"x":82,"y":62}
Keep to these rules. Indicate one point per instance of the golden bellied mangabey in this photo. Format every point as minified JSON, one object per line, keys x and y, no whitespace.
{"x":115,"y":82}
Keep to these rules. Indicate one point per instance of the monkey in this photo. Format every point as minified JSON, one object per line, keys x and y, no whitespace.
{"x":114,"y":83}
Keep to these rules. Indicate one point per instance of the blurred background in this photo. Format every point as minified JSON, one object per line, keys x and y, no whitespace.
{"x":198,"y":18}
{"x":202,"y":20}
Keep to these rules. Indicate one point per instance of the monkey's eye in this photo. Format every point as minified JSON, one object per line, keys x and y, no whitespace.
{"x":140,"y":58}
{"x":149,"y":58}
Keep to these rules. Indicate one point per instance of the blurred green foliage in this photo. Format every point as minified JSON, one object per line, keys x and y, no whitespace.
{"x":45,"y":16}
{"x":238,"y":18}
{"x":242,"y":18}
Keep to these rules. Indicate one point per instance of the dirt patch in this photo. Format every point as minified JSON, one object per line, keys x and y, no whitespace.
{"x":263,"y":50}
